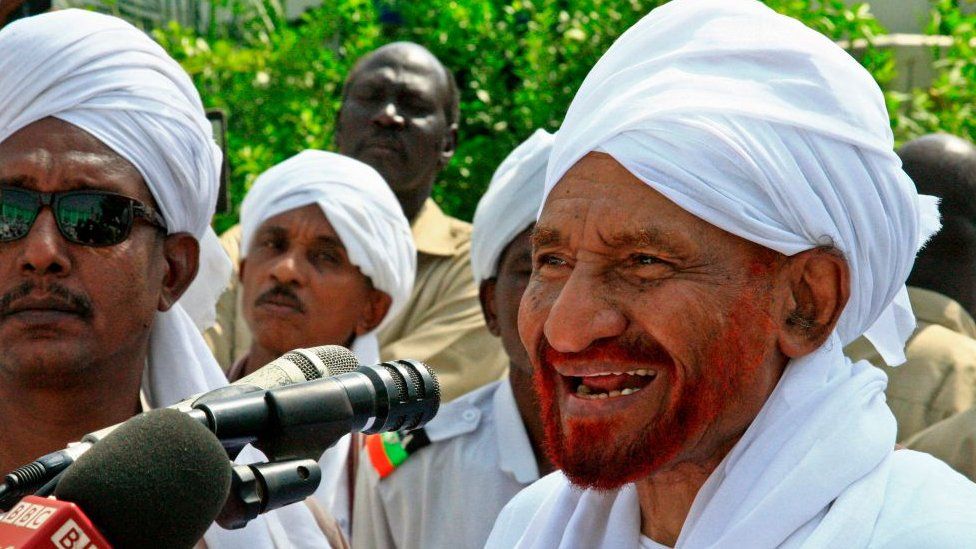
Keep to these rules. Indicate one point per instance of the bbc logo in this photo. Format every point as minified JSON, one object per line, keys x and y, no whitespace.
{"x":28,"y":515}
{"x":70,"y":536}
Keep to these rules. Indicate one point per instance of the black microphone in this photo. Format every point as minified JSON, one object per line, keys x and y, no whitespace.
{"x":159,"y":480}
{"x":301,"y":421}
{"x":293,"y":367}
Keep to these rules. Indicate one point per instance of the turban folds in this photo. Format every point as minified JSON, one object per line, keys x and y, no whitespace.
{"x":510,"y":204}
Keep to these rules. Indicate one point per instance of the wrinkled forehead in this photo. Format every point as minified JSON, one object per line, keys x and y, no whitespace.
{"x":307,"y":221}
{"x":600,"y":203}
{"x":51,"y":155}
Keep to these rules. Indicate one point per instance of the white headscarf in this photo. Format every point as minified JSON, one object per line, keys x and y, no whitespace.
{"x":370,"y":223}
{"x":510,"y":204}
{"x":361,"y":208}
{"x":766,"y":129}
{"x":106,"y":77}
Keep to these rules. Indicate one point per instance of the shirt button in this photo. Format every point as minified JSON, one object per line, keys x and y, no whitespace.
{"x":470,"y":415}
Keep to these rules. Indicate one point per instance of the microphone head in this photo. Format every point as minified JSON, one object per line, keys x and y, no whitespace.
{"x":299,"y":366}
{"x":159,"y":480}
{"x":325,"y":361}
{"x":413,"y":394}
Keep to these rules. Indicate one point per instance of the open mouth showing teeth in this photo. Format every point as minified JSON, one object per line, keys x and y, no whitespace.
{"x":611,"y":384}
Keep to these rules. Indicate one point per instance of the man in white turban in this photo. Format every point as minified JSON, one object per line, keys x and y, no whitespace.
{"x":484,"y":447}
{"x":723,"y":212}
{"x":328,"y":259}
{"x":108,"y":267}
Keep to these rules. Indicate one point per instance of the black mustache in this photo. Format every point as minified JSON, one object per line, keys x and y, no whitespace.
{"x":78,"y":303}
{"x":284,"y":292}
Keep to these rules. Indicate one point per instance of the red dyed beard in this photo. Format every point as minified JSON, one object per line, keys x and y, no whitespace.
{"x":692,"y":425}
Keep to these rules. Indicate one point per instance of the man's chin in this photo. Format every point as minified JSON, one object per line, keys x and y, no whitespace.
{"x":591,"y":459}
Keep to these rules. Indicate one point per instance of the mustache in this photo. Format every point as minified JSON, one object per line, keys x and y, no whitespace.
{"x":76,"y":302}
{"x":282,"y":292}
{"x":639,"y":349}
{"x":387,"y":138}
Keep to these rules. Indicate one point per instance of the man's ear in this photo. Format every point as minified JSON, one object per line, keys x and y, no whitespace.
{"x":181,"y":252}
{"x":486,"y":295}
{"x":449,"y":145}
{"x":374,"y":311}
{"x":819,"y":285}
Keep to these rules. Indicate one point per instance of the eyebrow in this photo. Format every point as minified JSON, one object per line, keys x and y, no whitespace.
{"x":17,"y":181}
{"x":330,"y":242}
{"x":545,"y":236}
{"x":646,"y":237}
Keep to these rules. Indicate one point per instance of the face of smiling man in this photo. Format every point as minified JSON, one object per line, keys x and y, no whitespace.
{"x":656,"y":337}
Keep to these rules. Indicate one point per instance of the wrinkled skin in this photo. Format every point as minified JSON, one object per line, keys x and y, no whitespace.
{"x":625,"y":280}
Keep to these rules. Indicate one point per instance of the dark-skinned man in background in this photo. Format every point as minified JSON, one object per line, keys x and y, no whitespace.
{"x":399,"y":114}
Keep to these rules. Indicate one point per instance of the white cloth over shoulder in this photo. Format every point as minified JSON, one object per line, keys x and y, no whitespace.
{"x":106,"y":77}
{"x":510,"y":204}
{"x":368,"y":219}
{"x":766,"y":129}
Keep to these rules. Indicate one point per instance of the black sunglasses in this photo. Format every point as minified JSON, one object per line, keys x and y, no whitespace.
{"x":89,"y":218}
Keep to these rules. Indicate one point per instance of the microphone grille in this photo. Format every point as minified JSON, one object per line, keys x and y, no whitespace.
{"x":324,"y":361}
{"x":304,"y":364}
{"x":337,"y":359}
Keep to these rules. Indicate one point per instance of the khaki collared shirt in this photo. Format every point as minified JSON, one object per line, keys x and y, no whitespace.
{"x":441,"y":324}
{"x":939,"y":379}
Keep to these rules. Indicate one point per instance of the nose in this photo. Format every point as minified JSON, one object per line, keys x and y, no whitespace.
{"x":582,"y":314}
{"x":286,"y":270}
{"x":389,"y":116}
{"x":44,"y":251}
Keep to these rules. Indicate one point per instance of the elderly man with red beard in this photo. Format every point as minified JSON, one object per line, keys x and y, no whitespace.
{"x":723,"y":212}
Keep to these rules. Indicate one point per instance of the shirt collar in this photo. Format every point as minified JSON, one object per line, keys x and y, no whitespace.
{"x":432,"y":231}
{"x":935,"y":308}
{"x":515,"y":454}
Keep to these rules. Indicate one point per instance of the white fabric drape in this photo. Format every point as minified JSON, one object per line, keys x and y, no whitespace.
{"x":766,"y":129}
{"x":108,"y":78}
{"x":510,"y":204}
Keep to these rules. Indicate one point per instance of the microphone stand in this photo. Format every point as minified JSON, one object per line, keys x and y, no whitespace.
{"x":261,"y":487}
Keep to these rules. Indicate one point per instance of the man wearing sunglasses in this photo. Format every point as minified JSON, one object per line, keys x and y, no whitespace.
{"x":108,"y":180}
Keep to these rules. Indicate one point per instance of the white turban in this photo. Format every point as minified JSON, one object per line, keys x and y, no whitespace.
{"x":760,"y":126}
{"x":110,"y":79}
{"x":510,"y":204}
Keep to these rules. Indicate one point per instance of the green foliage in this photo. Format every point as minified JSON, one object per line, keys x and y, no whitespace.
{"x":947,"y":104}
{"x":517,"y":63}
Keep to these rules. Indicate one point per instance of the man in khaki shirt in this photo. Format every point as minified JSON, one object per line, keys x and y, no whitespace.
{"x":399,"y":115}
{"x":928,"y":393}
